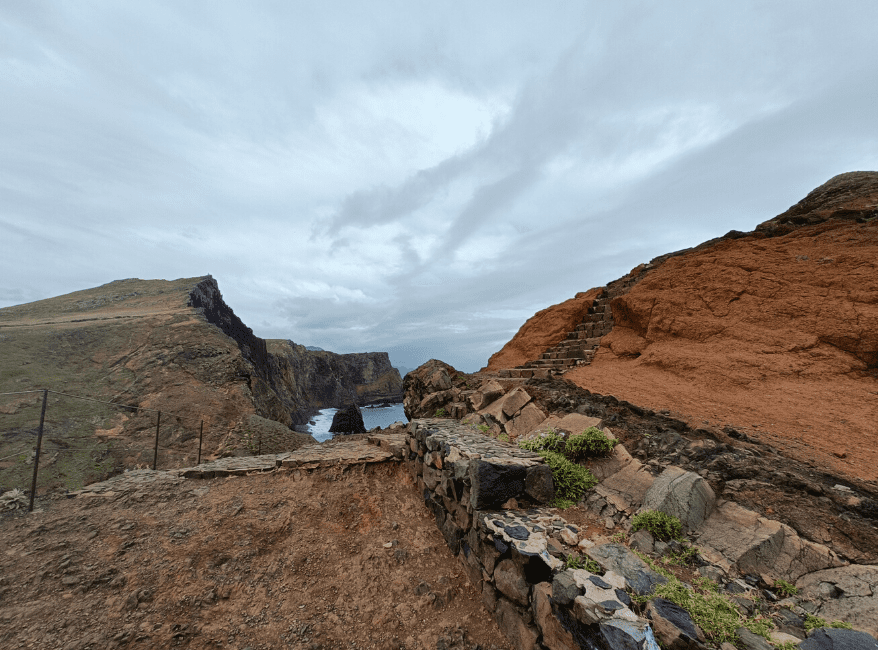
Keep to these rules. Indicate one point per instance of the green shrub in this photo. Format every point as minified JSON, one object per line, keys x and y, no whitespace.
{"x":571,"y":480}
{"x":661,"y":525}
{"x":441,"y":413}
{"x":588,"y":444}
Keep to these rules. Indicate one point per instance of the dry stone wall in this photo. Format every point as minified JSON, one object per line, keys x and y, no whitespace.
{"x":515,"y":556}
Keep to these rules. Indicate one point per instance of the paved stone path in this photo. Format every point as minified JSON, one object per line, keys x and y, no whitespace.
{"x":371,"y":448}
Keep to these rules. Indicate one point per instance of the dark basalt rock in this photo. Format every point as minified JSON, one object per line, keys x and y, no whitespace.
{"x":494,"y":483}
{"x":833,"y":639}
{"x":349,"y":420}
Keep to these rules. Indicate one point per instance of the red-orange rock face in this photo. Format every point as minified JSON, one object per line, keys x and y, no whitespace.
{"x":542,"y":330}
{"x":775,"y":332}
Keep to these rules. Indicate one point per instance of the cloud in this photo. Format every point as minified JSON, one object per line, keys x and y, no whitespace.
{"x":397,"y":176}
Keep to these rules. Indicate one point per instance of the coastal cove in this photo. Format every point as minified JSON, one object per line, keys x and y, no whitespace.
{"x":378,"y":416}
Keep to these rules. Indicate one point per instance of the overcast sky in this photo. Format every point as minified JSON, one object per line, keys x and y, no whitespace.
{"x":415,"y":177}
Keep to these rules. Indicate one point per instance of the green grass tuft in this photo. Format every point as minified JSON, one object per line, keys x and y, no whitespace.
{"x":661,"y":525}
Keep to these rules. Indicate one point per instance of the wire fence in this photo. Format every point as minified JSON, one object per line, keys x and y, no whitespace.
{"x":67,"y":441}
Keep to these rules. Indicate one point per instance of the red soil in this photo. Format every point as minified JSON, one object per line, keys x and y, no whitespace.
{"x":778,"y":336}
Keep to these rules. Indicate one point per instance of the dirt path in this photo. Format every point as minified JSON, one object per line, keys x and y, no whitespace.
{"x":340,"y":557}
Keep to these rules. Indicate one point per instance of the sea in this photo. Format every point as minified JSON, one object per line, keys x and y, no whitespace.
{"x":379,"y":416}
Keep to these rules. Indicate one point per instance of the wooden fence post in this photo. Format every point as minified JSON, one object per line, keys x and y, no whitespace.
{"x":33,"y":484}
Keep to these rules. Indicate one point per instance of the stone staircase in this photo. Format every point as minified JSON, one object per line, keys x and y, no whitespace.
{"x":580,"y":346}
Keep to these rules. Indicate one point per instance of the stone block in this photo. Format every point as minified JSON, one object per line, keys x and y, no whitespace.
{"x":684,"y":495}
{"x":471,"y":566}
{"x":490,"y":556}
{"x":495,"y":481}
{"x":604,"y":468}
{"x":574,"y":423}
{"x":751,"y":641}
{"x":642,"y":541}
{"x":539,"y":484}
{"x":525,"y":422}
{"x":564,"y":588}
{"x":514,"y":401}
{"x":486,"y":394}
{"x":510,"y":582}
{"x":432,"y":476}
{"x":555,"y":636}
{"x":522,"y":635}
{"x":628,"y":635}
{"x":489,"y":597}
{"x":626,"y":488}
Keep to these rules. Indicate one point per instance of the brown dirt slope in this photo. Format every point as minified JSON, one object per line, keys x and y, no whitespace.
{"x":544,"y":329}
{"x":287,"y":559}
{"x":774,"y":332}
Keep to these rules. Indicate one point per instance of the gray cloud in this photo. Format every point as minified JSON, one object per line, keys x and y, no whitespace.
{"x":396,"y":176}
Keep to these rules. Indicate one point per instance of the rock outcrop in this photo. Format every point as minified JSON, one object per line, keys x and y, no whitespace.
{"x":348,"y":420}
{"x":328,"y":380}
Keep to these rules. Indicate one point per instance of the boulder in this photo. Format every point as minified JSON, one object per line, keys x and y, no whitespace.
{"x":833,"y":639}
{"x":673,"y":626}
{"x":735,"y":536}
{"x":348,"y":420}
{"x":617,"y":558}
{"x":684,"y":495}
{"x":853,"y":592}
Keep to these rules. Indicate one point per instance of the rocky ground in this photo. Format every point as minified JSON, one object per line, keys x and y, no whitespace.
{"x":334,"y":557}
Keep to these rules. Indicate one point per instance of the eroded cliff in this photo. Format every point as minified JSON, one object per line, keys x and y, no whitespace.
{"x":171,"y":346}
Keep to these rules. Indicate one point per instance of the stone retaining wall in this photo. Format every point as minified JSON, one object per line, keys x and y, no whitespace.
{"x":513,"y":556}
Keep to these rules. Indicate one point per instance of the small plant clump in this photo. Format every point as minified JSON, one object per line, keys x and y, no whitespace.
{"x":550,"y":441}
{"x":441,"y":413}
{"x":814,"y":622}
{"x":660,"y":525}
{"x":784,"y":588}
{"x":582,"y":562}
{"x":588,"y":444}
{"x":684,"y":557}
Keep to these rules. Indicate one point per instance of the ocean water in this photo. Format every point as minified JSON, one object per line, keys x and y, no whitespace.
{"x":372,"y":417}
